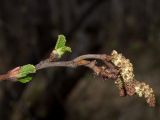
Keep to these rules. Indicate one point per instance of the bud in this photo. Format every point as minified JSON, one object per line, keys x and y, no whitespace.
{"x":21,"y":73}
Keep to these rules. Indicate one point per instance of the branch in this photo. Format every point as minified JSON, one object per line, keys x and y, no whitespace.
{"x":79,"y":61}
{"x":88,"y":60}
{"x":114,"y":66}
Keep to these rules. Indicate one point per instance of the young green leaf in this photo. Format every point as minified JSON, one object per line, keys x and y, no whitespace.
{"x":60,"y":47}
{"x":25,"y":79}
{"x":25,"y":70}
{"x":62,"y":50}
{"x":60,"y":42}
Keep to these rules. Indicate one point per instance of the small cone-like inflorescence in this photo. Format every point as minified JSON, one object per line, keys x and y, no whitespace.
{"x":126,"y":82}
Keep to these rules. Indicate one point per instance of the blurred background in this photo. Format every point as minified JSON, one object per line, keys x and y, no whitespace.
{"x":28,"y":32}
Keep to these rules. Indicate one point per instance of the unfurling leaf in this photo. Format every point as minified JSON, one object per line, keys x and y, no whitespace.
{"x":60,"y":47}
{"x":60,"y":42}
{"x":25,"y":70}
{"x":25,"y":79}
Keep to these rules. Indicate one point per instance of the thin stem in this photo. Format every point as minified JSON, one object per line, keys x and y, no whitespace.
{"x":71,"y":64}
{"x":4,"y":77}
{"x":79,"y":61}
{"x":93,"y":56}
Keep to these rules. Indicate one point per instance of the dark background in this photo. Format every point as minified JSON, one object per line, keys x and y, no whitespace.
{"x":28,"y":32}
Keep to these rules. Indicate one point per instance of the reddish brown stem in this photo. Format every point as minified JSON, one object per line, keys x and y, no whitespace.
{"x":4,"y":77}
